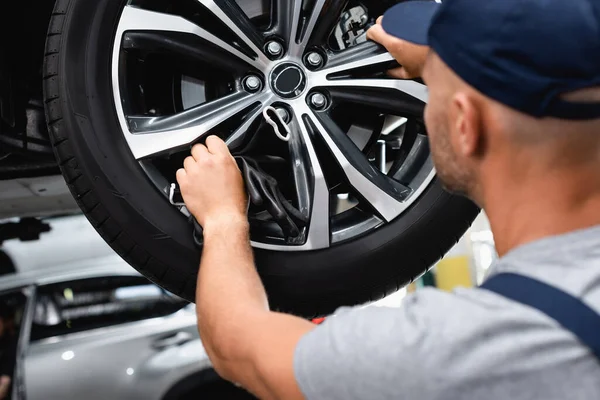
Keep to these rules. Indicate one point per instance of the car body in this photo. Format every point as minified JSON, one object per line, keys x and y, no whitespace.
{"x":73,"y":345}
{"x":140,"y":359}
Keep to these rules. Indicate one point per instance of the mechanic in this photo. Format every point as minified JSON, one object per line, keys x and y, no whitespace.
{"x":514,"y":124}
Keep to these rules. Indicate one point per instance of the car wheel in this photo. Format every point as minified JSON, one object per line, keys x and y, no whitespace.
{"x":129,"y":86}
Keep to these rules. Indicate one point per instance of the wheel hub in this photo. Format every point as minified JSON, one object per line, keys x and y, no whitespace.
{"x":288,"y":80}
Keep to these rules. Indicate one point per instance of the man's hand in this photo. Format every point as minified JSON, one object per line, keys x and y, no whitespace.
{"x":211,"y":184}
{"x":246,"y":342}
{"x":410,"y":56}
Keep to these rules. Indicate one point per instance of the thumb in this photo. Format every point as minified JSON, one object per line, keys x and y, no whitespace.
{"x":216,"y":145}
{"x":377,"y":34}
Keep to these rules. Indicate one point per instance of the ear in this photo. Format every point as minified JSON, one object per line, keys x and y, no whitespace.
{"x":465,"y":119}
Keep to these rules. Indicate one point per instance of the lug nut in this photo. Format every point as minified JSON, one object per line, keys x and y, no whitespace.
{"x":318,"y":101}
{"x":314,"y":59}
{"x":274,"y":48}
{"x":285,"y":116}
{"x":252,"y":83}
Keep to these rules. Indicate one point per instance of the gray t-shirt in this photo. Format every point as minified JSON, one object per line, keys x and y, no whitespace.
{"x":466,"y":344}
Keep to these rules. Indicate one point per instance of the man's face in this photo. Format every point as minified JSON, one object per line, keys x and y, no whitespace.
{"x":441,"y":124}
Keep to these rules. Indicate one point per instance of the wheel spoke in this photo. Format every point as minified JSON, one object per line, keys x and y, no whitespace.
{"x":137,"y":19}
{"x":186,"y":45}
{"x":238,"y":136}
{"x":391,"y":100}
{"x":288,"y":14}
{"x":317,"y":25}
{"x":325,"y":18}
{"x":385,"y":88}
{"x":310,"y":25}
{"x":383,"y":193}
{"x":367,"y":54}
{"x":311,"y":189}
{"x":363,"y":55}
{"x":232,"y":16}
{"x":299,"y":164}
{"x":154,"y":135}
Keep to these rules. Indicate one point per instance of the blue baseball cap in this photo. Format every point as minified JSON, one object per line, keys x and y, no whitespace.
{"x":523,"y":53}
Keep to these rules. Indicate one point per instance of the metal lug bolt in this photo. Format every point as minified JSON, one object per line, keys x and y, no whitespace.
{"x":318,"y":100}
{"x":314,"y":59}
{"x":274,"y":48}
{"x":252,"y":83}
{"x":285,"y":116}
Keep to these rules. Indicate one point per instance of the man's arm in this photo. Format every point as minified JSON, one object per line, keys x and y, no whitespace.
{"x":246,"y":342}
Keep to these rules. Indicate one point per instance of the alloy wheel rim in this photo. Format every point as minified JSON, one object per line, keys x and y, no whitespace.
{"x":304,"y":79}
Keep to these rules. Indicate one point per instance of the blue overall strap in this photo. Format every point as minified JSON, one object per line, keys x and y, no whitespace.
{"x":570,"y":312}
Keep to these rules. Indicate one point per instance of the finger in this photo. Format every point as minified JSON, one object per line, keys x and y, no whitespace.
{"x":181,"y":176}
{"x":377,"y":34}
{"x":216,"y":145}
{"x":371,"y":33}
{"x":399,"y":73}
{"x":199,"y":151}
{"x":379,"y":20}
{"x":189,"y":163}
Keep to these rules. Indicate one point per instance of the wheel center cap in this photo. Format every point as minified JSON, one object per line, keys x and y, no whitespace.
{"x":288,"y":80}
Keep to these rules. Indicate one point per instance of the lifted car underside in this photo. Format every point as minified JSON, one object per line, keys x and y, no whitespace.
{"x":25,"y":150}
{"x":30,"y":181}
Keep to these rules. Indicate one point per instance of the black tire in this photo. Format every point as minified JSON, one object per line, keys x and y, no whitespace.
{"x":134,"y":218}
{"x":206,"y":385}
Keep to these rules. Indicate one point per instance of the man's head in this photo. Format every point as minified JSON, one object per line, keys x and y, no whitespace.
{"x":474,"y":137}
{"x":508,"y":92}
{"x":450,"y":111}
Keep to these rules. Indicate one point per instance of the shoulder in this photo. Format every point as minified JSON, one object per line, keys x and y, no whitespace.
{"x":428,"y":313}
{"x":372,"y":348}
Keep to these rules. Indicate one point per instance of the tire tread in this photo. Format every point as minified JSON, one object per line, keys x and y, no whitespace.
{"x":80,"y":186}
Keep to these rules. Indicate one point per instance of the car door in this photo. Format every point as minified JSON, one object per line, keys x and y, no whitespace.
{"x":14,"y":307}
{"x":117,"y":337}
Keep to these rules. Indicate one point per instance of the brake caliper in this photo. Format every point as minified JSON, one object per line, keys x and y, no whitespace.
{"x":352,"y":28}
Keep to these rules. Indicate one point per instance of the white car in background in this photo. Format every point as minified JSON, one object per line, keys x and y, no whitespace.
{"x":95,"y":329}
